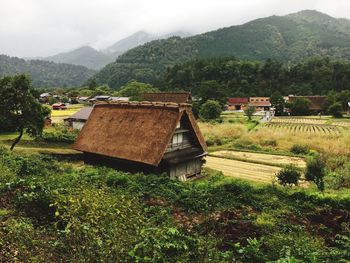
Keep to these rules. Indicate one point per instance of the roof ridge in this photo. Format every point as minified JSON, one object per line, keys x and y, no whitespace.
{"x":145,"y":103}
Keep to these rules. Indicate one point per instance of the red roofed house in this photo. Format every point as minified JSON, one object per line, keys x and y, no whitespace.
{"x":260,"y":103}
{"x":237,"y":103}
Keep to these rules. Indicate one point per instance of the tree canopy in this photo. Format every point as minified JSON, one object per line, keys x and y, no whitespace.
{"x":18,"y":107}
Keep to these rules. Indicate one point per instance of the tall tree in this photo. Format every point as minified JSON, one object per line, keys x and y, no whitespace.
{"x":19,"y":107}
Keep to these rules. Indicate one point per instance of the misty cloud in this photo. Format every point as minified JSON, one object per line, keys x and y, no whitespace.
{"x":45,"y":27}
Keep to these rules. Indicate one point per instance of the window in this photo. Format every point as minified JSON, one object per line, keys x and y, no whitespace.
{"x":177,"y":139}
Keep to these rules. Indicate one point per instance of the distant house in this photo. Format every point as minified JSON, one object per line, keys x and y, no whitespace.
{"x":44,"y":97}
{"x":149,"y":137}
{"x":176,"y":97}
{"x":237,"y":103}
{"x":83,"y":99}
{"x":99,"y":98}
{"x":59,"y":106}
{"x":119,"y":98}
{"x":78,"y":119}
{"x":260,"y":103}
{"x":317,"y":102}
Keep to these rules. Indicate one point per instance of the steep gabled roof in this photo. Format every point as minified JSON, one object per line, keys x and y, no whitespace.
{"x":83,"y":114}
{"x":135,"y":131}
{"x":179,"y":97}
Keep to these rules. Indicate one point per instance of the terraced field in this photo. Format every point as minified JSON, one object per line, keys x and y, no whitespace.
{"x":299,"y":120}
{"x":304,"y":128}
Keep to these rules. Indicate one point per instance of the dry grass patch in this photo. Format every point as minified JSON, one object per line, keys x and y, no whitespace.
{"x":270,"y":159}
{"x":243,"y":170}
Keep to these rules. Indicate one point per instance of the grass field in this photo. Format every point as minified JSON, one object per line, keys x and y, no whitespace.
{"x":243,"y":170}
{"x":261,"y":158}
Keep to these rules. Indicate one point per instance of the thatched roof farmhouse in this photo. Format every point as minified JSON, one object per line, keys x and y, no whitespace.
{"x":151,"y":137}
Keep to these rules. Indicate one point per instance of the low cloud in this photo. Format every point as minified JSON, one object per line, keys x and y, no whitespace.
{"x":44,"y":27}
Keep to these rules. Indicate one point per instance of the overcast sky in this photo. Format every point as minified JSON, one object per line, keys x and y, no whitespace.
{"x":45,"y":27}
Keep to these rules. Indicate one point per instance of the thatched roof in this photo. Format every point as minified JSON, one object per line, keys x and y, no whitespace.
{"x":179,"y":97}
{"x":135,"y":131}
{"x":317,"y":102}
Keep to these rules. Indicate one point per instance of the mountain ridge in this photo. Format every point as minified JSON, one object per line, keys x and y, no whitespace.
{"x":290,"y":39}
{"x":45,"y":73}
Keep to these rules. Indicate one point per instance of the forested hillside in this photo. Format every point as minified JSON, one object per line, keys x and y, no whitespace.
{"x":233,"y":77}
{"x":45,"y":73}
{"x":288,"y":39}
{"x":85,"y":56}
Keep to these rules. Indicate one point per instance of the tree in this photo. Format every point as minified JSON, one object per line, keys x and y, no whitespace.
{"x":19,"y":107}
{"x":135,"y":89}
{"x":288,"y":176}
{"x":210,"y":110}
{"x":315,"y":171}
{"x":336,"y":110}
{"x":249,"y":111}
{"x":300,"y":107}
{"x":212,"y":90}
{"x":277,"y":101}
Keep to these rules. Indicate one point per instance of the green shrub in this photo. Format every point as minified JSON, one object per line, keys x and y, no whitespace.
{"x":210,"y":110}
{"x":117,"y":180}
{"x":60,"y":134}
{"x":300,"y":149}
{"x":289,"y":176}
{"x":336,"y":110}
{"x":315,"y":171}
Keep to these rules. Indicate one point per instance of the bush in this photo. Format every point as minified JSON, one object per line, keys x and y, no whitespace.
{"x":336,"y":110}
{"x":300,"y":149}
{"x":288,"y":176}
{"x":210,"y":110}
{"x":60,"y":134}
{"x":315,"y":171}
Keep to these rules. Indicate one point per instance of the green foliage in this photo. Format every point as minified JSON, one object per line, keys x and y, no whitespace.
{"x":59,"y":133}
{"x":300,"y":149}
{"x":277,"y":101}
{"x":289,"y":175}
{"x":135,"y":89}
{"x":249,"y":111}
{"x":315,"y":171}
{"x":45,"y":73}
{"x":291,"y":38}
{"x":210,"y":110}
{"x":59,"y":212}
{"x":300,"y":107}
{"x":336,"y":110}
{"x":19,"y":107}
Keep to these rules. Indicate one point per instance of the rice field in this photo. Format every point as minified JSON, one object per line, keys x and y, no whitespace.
{"x":57,"y":116}
{"x":262,"y":158}
{"x":304,"y":128}
{"x":243,"y":170}
{"x":299,"y":120}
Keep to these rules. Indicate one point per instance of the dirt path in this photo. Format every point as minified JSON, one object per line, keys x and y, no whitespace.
{"x":243,"y":170}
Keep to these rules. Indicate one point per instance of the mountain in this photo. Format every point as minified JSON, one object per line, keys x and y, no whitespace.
{"x":289,"y":39}
{"x":94,"y":59}
{"x":137,"y":39}
{"x":83,"y":56}
{"x":45,"y":73}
